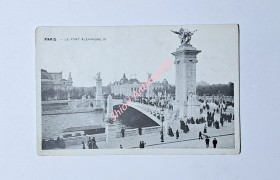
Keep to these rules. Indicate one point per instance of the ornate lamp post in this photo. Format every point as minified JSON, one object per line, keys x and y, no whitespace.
{"x":162,"y":120}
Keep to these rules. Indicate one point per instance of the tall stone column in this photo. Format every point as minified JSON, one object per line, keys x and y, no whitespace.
{"x":148,"y":87}
{"x":98,"y":94}
{"x":177,"y":81}
{"x":185,"y":62}
{"x":109,"y":106}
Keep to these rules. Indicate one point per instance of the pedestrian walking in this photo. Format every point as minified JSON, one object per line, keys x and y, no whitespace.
{"x":222,"y":121}
{"x":187,"y":128}
{"x":177,"y":134}
{"x":205,"y":129}
{"x":200,"y":135}
{"x":84,"y":147}
{"x":161,"y":136}
{"x":122,"y":131}
{"x":207,"y":140}
{"x":89,"y":143}
{"x":215,"y":142}
{"x":140,"y":131}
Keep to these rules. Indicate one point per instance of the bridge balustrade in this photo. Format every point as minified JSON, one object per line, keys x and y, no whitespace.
{"x":135,"y":132}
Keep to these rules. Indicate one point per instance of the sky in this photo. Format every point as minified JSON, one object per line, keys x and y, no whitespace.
{"x":135,"y":51}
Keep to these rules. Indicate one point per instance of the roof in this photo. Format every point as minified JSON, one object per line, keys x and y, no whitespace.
{"x":45,"y":75}
{"x":131,"y":81}
{"x":55,"y":72}
{"x":82,"y":128}
{"x":124,"y":79}
{"x":116,"y":82}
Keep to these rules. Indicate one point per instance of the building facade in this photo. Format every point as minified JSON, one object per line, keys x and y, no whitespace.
{"x":126,"y":87}
{"x":54,"y":80}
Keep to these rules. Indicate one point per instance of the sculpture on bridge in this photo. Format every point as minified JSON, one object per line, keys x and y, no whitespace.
{"x":184,"y":35}
{"x":191,"y":97}
{"x":98,"y":75}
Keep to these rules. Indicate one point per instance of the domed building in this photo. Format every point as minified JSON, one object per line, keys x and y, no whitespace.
{"x":124,"y":80}
{"x":126,"y":87}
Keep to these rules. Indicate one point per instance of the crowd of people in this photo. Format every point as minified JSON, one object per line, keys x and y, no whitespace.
{"x":207,"y":138}
{"x":91,"y":143}
{"x":227,"y":117}
{"x":221,"y":109}
{"x":211,"y":121}
{"x":200,"y":120}
{"x":184,"y":126}
{"x":52,"y":144}
{"x":158,"y":102}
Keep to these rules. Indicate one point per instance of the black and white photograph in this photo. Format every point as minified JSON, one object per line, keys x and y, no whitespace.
{"x":138,"y":90}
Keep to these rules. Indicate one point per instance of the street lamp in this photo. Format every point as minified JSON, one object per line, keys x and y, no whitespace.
{"x":162,"y":119}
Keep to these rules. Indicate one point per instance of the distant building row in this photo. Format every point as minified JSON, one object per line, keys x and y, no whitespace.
{"x":126,"y":87}
{"x":54,"y":80}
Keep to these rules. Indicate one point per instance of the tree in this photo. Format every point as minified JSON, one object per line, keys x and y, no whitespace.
{"x":231,"y":88}
{"x":224,"y":89}
{"x":48,"y":94}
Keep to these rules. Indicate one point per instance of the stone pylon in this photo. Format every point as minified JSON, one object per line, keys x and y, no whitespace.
{"x":185,"y":63}
{"x":110,"y":128}
{"x":98,"y":95}
{"x":109,"y":106}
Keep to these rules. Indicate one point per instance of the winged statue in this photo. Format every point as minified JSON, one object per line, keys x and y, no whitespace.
{"x":184,"y":35}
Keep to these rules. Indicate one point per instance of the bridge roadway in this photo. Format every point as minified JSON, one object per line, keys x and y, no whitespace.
{"x":225,"y":137}
{"x":139,"y":108}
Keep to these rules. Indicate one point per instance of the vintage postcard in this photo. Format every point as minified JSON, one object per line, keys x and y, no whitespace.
{"x":138,"y":90}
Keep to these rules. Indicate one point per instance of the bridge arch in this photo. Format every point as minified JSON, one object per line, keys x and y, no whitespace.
{"x":117,"y":102}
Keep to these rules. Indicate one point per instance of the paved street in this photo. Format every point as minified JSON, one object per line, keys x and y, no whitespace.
{"x":224,"y":135}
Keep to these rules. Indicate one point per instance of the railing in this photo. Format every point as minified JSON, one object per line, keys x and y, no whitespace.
{"x":150,"y":130}
{"x":79,"y":139}
{"x":128,"y":132}
{"x":135,"y":132}
{"x":54,"y":112}
{"x":84,"y":103}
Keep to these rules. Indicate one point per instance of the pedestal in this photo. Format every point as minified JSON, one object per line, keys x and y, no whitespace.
{"x":110,"y":132}
{"x":192,"y":109}
{"x":188,"y":110}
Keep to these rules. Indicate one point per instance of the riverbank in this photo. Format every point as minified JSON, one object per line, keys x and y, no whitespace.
{"x":70,"y":111}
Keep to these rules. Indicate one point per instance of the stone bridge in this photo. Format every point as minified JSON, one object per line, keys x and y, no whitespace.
{"x":139,"y":108}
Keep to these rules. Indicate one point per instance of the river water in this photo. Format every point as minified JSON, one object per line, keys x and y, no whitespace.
{"x":54,"y":125}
